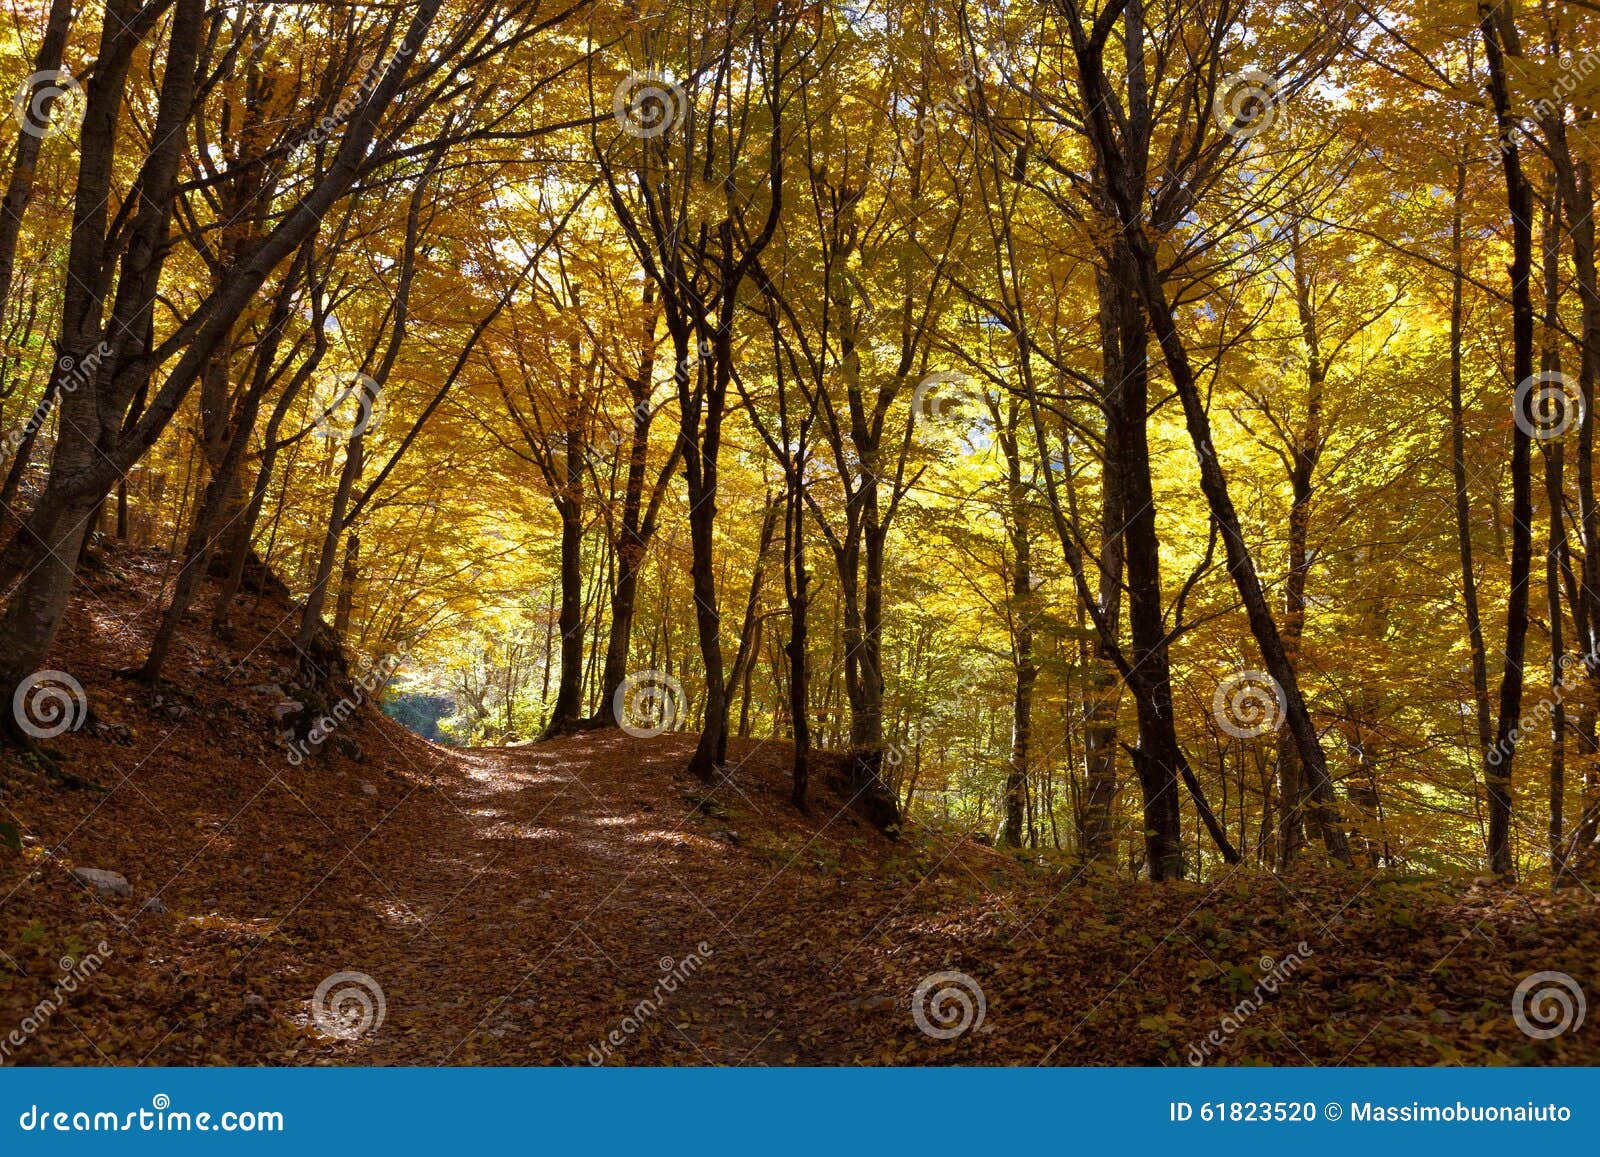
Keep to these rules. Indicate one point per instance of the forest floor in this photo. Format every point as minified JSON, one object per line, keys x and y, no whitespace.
{"x":584,"y":900}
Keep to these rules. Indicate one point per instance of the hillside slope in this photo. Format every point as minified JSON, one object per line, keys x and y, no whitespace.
{"x":390,"y":901}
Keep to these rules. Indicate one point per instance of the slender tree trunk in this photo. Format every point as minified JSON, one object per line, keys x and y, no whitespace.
{"x":1022,"y":610}
{"x":349,"y":573}
{"x":1307,"y":449}
{"x":1555,"y":553}
{"x":1575,"y":185}
{"x":1499,"y":40}
{"x":638,"y":523}
{"x":1156,"y":759}
{"x":1102,"y":686}
{"x":1483,"y":713}
{"x":700,"y":476}
{"x":568,"y":707}
{"x":750,"y":628}
{"x":796,"y":588}
{"x":25,"y":159}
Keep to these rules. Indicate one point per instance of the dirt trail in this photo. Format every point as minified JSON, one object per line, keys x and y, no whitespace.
{"x":571,"y":902}
{"x":584,"y":900}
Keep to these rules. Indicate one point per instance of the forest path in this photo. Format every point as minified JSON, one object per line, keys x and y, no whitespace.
{"x":583,"y":900}
{"x":586,"y":901}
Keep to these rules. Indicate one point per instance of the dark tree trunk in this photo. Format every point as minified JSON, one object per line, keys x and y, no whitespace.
{"x":1483,"y":714}
{"x":19,"y":190}
{"x":1024,"y":673}
{"x":1499,"y":41}
{"x":1293,"y":793}
{"x":796,"y":584}
{"x":568,"y":709}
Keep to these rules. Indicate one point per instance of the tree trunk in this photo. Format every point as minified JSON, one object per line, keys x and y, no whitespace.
{"x":1483,"y":714}
{"x":568,"y":709}
{"x":1499,"y":41}
{"x":1128,"y":457}
{"x":1307,"y":449}
{"x":19,"y":191}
